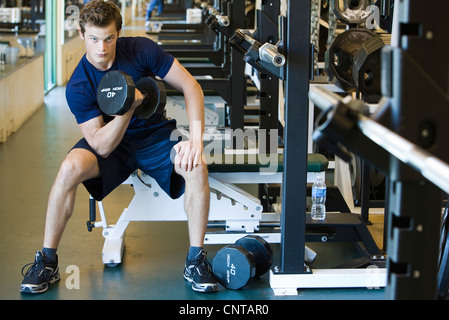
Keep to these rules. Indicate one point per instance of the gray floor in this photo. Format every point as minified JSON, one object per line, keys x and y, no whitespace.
{"x":154,"y":251}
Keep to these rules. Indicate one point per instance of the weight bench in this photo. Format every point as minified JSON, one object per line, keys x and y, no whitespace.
{"x":238,"y":211}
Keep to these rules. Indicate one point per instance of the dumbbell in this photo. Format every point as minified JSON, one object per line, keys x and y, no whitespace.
{"x":234,"y":265}
{"x":116,"y":93}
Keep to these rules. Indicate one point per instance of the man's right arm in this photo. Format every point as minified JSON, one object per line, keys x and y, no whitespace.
{"x":104,"y":138}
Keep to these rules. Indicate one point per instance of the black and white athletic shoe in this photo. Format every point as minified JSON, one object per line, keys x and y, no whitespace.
{"x":198,"y":271}
{"x":39,"y":275}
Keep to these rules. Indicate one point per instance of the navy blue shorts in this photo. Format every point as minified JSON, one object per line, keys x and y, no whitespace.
{"x":148,"y":149}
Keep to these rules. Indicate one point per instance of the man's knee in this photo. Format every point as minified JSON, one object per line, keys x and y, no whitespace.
{"x":198,"y":174}
{"x":78,"y":166}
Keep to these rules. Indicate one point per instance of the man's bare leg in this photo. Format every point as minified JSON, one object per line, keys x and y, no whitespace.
{"x":196,"y":204}
{"x":78,"y":166}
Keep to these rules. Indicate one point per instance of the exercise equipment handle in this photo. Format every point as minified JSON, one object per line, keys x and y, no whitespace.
{"x":270,"y":54}
{"x":432,"y":168}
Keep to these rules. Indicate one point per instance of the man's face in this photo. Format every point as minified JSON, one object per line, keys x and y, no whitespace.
{"x":100,"y":45}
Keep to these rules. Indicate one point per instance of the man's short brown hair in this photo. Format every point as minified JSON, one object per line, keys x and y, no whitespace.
{"x":100,"y":13}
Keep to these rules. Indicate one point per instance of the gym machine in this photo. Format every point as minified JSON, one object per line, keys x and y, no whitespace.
{"x":267,"y":56}
{"x":407,"y":145}
{"x":293,"y":273}
{"x":205,"y":44}
{"x":179,"y":19}
{"x":226,"y":78}
{"x":260,"y":50}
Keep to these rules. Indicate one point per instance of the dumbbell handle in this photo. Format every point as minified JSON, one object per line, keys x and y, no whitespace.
{"x":144,"y":96}
{"x":144,"y":99}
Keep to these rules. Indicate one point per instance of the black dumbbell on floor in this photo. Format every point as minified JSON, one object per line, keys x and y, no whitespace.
{"x":116,"y":94}
{"x":234,"y":265}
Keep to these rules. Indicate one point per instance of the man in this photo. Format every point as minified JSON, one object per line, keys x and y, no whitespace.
{"x":115,"y":146}
{"x":150,"y":7}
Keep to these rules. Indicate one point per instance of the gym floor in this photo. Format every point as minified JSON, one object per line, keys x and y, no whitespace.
{"x":155,"y":252}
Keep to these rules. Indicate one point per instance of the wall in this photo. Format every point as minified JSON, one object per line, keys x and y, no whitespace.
{"x":22,"y":94}
{"x":68,"y":57}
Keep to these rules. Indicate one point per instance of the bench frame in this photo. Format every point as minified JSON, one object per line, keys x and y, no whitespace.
{"x":232,"y":207}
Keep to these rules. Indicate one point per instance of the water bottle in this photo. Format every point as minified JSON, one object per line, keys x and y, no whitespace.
{"x":318,"y":199}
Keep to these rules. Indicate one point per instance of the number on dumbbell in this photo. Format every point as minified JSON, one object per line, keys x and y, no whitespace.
{"x":116,"y":94}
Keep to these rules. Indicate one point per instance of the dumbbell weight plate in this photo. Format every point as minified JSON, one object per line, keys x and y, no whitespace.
{"x":233,"y":266}
{"x":155,"y":97}
{"x":260,"y":250}
{"x":353,"y":11}
{"x":366,"y":70}
{"x":115,"y":93}
{"x":339,"y":58}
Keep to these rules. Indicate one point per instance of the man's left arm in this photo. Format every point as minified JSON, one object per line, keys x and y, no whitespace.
{"x":189,"y":153}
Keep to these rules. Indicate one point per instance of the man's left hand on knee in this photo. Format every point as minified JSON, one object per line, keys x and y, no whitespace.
{"x":189,"y":154}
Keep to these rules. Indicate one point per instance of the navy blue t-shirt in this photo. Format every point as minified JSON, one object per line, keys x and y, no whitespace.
{"x":137,"y":56}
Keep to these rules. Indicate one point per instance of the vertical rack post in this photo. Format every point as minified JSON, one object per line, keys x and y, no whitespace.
{"x":293,"y":220}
